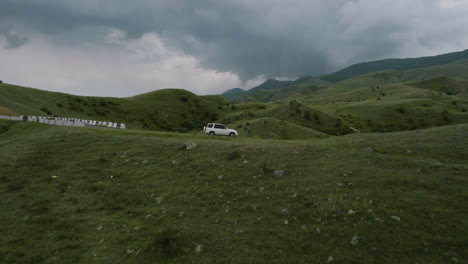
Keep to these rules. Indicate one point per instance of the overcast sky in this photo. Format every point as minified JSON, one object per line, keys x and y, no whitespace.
{"x":127,"y":47}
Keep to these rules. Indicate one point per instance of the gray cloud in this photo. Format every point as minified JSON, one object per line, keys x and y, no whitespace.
{"x":275,"y":38}
{"x":13,"y":39}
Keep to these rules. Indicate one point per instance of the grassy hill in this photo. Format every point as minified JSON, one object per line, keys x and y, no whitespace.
{"x":303,"y":86}
{"x":395,"y":64}
{"x":271,"y":84}
{"x":272,"y":128}
{"x":140,"y":197}
{"x":444,"y":84}
{"x":233,"y":94}
{"x":167,"y":110}
{"x":318,"y":86}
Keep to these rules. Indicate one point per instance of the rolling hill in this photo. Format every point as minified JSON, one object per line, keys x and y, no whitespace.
{"x":167,"y":110}
{"x":83,"y":195}
{"x":395,"y":64}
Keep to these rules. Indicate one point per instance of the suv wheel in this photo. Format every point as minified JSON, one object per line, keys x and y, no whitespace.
{"x":211,"y":133}
{"x":232,"y":134}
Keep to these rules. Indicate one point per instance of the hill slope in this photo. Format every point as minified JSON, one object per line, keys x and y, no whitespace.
{"x":168,"y":110}
{"x":138,"y":197}
{"x":444,"y":84}
{"x":233,"y":94}
{"x":271,"y":84}
{"x":395,"y":64}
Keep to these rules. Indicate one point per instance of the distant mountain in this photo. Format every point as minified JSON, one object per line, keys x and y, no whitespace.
{"x":273,"y":90}
{"x":233,"y":94}
{"x":394,"y":64}
{"x":271,"y":84}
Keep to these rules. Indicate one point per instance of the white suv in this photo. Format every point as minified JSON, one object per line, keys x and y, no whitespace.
{"x":219,"y":129}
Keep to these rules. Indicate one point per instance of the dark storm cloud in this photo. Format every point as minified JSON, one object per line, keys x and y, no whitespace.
{"x":13,"y":39}
{"x":251,"y":38}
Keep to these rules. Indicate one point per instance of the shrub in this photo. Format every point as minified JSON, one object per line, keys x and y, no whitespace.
{"x":167,"y":243}
{"x":233,"y":155}
{"x":401,"y":110}
{"x":44,"y":109}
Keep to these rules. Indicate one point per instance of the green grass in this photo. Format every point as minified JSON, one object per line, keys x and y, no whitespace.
{"x":272,"y":128}
{"x":443,"y":84}
{"x":167,"y":110}
{"x":139,"y":197}
{"x":395,"y":64}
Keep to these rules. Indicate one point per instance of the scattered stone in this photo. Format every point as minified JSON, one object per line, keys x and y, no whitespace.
{"x":303,"y":227}
{"x":368,"y":150}
{"x":174,"y":162}
{"x":286,"y":222}
{"x":261,"y":189}
{"x":190,"y":145}
{"x":339,"y":184}
{"x":99,"y":228}
{"x":144,"y":162}
{"x":355,"y":240}
{"x":181,"y":214}
{"x":330,"y":259}
{"x":396,"y":217}
{"x":317,"y":230}
{"x":455,"y":259}
{"x":148,"y":216}
{"x":136,"y":228}
{"x":198,"y":248}
{"x":278,"y":173}
{"x":158,"y":200}
{"x":55,"y":177}
{"x":284,"y":211}
{"x":130,"y":251}
{"x":220,"y":177}
{"x":378,"y":220}
{"x":351,"y":212}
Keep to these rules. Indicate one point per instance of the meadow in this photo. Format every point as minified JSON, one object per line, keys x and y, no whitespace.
{"x":72,"y":195}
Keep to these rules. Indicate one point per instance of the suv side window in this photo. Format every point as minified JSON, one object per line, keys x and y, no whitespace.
{"x":210,"y":125}
{"x":219,"y":126}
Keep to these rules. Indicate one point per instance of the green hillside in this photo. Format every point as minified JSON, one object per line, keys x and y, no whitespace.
{"x":271,"y":84}
{"x":272,"y":128}
{"x":302,"y":86}
{"x":395,"y":64}
{"x":318,"y":87}
{"x":167,"y":110}
{"x":444,"y":84}
{"x":233,"y":94}
{"x":81,"y":195}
